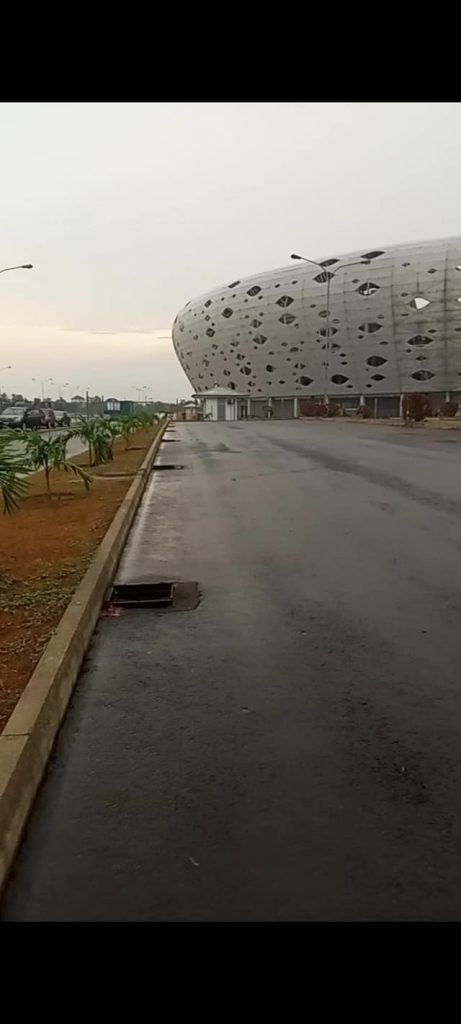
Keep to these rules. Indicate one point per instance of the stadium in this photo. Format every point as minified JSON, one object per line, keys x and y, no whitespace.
{"x":366,"y":327}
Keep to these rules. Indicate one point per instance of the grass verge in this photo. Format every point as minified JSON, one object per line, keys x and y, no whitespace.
{"x":45,"y":549}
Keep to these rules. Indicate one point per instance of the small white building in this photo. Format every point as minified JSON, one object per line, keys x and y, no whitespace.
{"x":223,"y":404}
{"x":190,"y":410}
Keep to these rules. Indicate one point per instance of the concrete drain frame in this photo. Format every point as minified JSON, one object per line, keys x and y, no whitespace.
{"x":171,"y":595}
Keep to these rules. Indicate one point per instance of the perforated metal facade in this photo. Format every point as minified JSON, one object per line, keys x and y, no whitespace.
{"x":395,"y":326}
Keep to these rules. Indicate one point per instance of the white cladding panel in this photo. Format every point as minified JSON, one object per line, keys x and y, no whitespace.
{"x":395,"y":325}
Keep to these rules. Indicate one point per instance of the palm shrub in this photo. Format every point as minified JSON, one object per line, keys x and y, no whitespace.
{"x":146,"y":418}
{"x":85,"y":430}
{"x":136,"y":421}
{"x":113,"y":430}
{"x":93,"y":430}
{"x":13,"y":471}
{"x":128,"y":426}
{"x":49,"y":453}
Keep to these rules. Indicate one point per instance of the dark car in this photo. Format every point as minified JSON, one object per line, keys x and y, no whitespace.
{"x":33,"y":419}
{"x":13,"y":417}
{"x":22,"y":417}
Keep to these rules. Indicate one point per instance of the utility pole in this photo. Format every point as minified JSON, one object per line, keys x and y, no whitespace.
{"x":1,"y":370}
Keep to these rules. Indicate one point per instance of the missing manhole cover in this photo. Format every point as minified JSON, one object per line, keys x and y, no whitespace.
{"x":179,"y":596}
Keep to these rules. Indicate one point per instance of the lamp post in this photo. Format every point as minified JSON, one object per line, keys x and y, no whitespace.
{"x":76,"y":389}
{"x":139,"y":390}
{"x":46,"y":380}
{"x":329,"y":275}
{"x":22,"y":266}
{"x":2,"y":368}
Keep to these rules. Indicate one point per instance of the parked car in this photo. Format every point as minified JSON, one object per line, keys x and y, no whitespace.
{"x":22,"y":417}
{"x":13,"y":417}
{"x":34,"y":419}
{"x":62,"y":418}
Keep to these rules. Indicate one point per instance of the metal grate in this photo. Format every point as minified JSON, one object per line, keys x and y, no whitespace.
{"x":178,"y":595}
{"x":142,"y":595}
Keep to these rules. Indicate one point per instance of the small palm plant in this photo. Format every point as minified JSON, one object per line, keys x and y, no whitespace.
{"x":93,"y":430}
{"x":113,"y":430}
{"x":128,"y":426}
{"x":49,"y":453}
{"x":147,"y":419}
{"x":13,"y":472}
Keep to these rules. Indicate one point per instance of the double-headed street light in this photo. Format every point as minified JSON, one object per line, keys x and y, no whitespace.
{"x":139,"y":392}
{"x":328,"y":276}
{"x":42,"y":382}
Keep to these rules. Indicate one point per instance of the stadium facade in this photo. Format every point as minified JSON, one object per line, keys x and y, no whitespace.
{"x":393,"y":326}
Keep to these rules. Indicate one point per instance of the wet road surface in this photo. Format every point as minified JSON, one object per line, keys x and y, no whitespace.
{"x":290,"y":749}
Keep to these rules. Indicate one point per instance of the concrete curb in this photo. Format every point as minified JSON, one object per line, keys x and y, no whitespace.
{"x":28,"y":737}
{"x":391,"y":421}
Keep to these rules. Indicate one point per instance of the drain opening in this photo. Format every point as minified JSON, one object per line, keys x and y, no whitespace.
{"x":143,"y":595}
{"x":180,"y":596}
{"x":168,"y":465}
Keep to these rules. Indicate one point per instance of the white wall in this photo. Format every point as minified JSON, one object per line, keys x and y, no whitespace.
{"x":210,"y":408}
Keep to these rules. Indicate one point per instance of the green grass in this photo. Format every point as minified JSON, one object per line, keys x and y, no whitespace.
{"x":47,"y":590}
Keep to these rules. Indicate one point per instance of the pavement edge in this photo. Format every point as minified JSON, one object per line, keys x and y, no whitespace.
{"x":28,"y":737}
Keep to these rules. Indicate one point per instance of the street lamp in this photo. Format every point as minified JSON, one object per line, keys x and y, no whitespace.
{"x":328,"y":276}
{"x":46,"y":380}
{"x":22,"y":266}
{"x":2,"y":368}
{"x":139,"y":390}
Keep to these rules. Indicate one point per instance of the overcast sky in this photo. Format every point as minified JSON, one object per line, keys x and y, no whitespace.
{"x":127,"y":211}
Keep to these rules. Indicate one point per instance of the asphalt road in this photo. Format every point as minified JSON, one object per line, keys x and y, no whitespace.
{"x":291,"y":749}
{"x":74,"y":447}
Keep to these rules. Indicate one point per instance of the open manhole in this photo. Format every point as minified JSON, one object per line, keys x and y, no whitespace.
{"x":177,"y":595}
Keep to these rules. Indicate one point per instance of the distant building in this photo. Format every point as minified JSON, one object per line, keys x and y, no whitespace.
{"x":191,"y":411}
{"x":118,"y":407}
{"x":222,"y":404}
